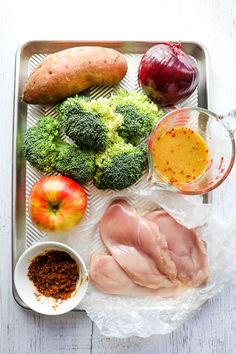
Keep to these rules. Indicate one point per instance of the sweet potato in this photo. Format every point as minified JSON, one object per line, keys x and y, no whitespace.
{"x":73,"y":70}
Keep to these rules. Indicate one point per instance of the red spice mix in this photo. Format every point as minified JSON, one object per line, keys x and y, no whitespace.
{"x":54,"y":274}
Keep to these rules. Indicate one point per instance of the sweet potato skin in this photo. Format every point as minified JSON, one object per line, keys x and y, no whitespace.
{"x":65,"y":73}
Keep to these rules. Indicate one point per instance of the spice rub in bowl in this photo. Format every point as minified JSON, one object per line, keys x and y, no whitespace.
{"x":54,"y":274}
{"x":51,"y":278}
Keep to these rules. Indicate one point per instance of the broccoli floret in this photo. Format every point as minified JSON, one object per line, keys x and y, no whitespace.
{"x":120,"y":166}
{"x":40,"y":144}
{"x":89,"y":123}
{"x":135,"y":127}
{"x":47,"y":152}
{"x":139,"y":115}
{"x":76,"y":163}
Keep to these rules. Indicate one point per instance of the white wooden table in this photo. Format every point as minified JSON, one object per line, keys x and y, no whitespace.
{"x":211,"y":22}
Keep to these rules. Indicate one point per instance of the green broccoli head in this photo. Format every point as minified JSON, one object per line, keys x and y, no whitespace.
{"x":68,"y":104}
{"x":40,"y":144}
{"x":76,"y":163}
{"x":89,"y":123}
{"x":135,"y":127}
{"x":120,"y":166}
{"x":45,"y":150}
{"x":139,"y":115}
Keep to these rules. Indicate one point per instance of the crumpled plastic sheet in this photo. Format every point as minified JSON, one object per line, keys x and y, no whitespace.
{"x":123,"y":316}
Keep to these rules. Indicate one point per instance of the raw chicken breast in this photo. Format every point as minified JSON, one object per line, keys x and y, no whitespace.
{"x":138,"y":246}
{"x":187,"y":250}
{"x":108,"y":277}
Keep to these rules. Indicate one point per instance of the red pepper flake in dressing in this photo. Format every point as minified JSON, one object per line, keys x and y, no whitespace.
{"x":173,"y":180}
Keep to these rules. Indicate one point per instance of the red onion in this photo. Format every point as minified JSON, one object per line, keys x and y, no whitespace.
{"x":167,"y":74}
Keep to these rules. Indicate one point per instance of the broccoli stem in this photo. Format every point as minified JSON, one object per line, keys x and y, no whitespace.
{"x":60,"y":144}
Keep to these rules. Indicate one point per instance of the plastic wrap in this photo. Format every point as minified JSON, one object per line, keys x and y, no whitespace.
{"x":123,"y":316}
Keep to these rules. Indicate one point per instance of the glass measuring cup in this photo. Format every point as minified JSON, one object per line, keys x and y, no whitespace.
{"x":218,"y":133}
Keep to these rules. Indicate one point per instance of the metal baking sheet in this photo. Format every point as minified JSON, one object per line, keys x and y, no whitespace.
{"x":28,"y":56}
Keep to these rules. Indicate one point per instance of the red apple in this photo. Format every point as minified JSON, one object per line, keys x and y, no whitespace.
{"x":57,"y":204}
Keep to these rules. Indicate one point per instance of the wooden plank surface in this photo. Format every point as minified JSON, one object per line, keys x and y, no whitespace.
{"x":211,"y":22}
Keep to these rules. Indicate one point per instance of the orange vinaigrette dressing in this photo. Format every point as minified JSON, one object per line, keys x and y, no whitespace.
{"x":180,"y":156}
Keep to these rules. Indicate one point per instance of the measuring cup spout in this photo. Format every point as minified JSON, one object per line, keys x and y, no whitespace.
{"x":228,"y":121}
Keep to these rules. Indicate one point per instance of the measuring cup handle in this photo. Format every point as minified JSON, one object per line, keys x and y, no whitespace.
{"x":229,"y":121}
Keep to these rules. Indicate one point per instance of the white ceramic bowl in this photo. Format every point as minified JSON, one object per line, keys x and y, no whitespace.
{"x":27,"y":290}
